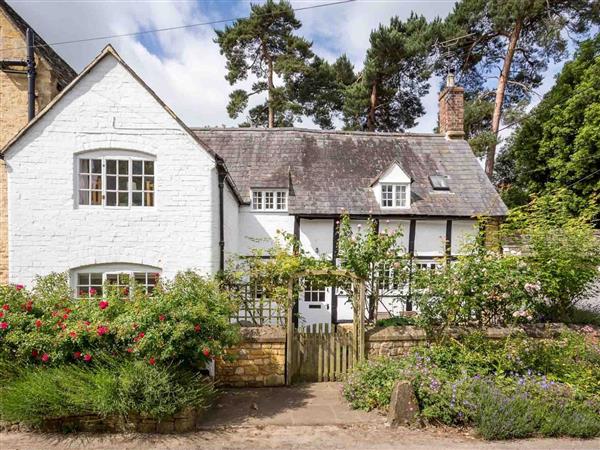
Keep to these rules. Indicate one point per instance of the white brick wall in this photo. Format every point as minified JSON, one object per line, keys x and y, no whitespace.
{"x":109,"y":109}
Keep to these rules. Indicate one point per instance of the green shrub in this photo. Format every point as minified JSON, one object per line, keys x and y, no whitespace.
{"x":396,"y":321}
{"x":184,"y":321}
{"x":108,"y":389}
{"x":512,"y":388}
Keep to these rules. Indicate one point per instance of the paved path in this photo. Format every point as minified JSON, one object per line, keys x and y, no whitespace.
{"x":302,"y":404}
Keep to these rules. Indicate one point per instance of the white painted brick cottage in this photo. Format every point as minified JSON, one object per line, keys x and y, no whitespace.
{"x":106,"y":180}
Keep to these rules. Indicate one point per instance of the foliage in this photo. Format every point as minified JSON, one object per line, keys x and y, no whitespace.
{"x":265,"y":46}
{"x":481,"y":287}
{"x":517,"y":387}
{"x":184,"y":321}
{"x":387,"y":97}
{"x":272,"y":268}
{"x":557,"y":144}
{"x":560,"y":249}
{"x":521,"y":37}
{"x":109,"y":388}
{"x":376,"y":256}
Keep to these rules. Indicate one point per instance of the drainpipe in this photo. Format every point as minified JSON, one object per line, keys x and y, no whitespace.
{"x":30,"y":75}
{"x":222,"y":173}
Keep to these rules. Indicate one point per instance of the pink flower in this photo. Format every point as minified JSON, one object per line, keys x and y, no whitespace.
{"x":161,"y":317}
{"x":206,"y":352}
{"x":87,"y":323}
{"x":142,"y":334}
{"x":103,"y":304}
{"x":45,"y":357}
{"x":29,"y":305}
{"x":129,"y":350}
{"x":5,"y":307}
{"x":19,"y":287}
{"x":38,"y":323}
{"x":73,"y":334}
{"x":102,"y":330}
{"x":34,"y":353}
{"x":197,"y":328}
{"x":93,"y":291}
{"x":152,"y":361}
{"x":65,"y":316}
{"x":87,"y":357}
{"x":3,"y":325}
{"x":77,"y":355}
{"x":1,"y":314}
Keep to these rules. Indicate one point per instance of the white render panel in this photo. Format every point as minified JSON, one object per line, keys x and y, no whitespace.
{"x":108,"y":109}
{"x":316,"y":237}
{"x":230,"y":222}
{"x":430,"y":237}
{"x":463,"y":232}
{"x":259,"y":229}
{"x":393,"y":225}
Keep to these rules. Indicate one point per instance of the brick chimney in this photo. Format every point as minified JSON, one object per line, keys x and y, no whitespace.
{"x":452,"y":110}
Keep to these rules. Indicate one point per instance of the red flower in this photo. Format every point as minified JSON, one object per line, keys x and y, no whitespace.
{"x":206,"y":352}
{"x":87,"y":357}
{"x":87,"y":323}
{"x":34,"y":353}
{"x":93,"y":291}
{"x":73,"y":334}
{"x":129,"y":350}
{"x":65,"y":316}
{"x":1,"y":314}
{"x":29,"y":305}
{"x":197,"y":328}
{"x":102,"y":330}
{"x":161,"y":317}
{"x":142,"y":334}
{"x":38,"y":323}
{"x":19,"y":287}
{"x":126,"y":291}
{"x":63,"y":326}
{"x":152,"y":361}
{"x":5,"y":307}
{"x":103,"y":304}
{"x":3,"y":325}
{"x":77,"y":355}
{"x":45,"y":357}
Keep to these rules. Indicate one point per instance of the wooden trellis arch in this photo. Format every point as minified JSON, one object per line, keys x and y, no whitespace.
{"x":358,"y":323}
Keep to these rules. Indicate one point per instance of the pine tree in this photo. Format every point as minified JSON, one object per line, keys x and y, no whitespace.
{"x":264,"y":45}
{"x":387,"y":96}
{"x":512,"y":41}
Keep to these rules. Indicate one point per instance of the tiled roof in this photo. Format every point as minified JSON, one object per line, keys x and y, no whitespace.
{"x":330,"y":170}
{"x":63,"y":71}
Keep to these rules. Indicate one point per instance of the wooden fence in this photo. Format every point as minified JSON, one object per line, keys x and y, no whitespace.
{"x":322,"y":353}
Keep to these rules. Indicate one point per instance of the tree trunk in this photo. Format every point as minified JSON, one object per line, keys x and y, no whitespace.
{"x":270,"y":99}
{"x":500,"y":90}
{"x":372,"y":107}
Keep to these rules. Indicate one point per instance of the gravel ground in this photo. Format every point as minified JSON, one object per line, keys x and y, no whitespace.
{"x":371,"y":436}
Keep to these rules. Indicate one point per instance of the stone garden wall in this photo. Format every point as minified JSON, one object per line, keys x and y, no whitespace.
{"x":397,"y":341}
{"x":259,"y":359}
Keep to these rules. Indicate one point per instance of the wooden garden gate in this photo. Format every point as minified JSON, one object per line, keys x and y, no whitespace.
{"x":325,"y":352}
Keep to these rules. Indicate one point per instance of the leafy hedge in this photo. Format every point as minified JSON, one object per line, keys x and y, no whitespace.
{"x":184,"y":321}
{"x":515,"y":388}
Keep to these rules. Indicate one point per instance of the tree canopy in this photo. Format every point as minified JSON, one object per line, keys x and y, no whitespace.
{"x":558,"y":144}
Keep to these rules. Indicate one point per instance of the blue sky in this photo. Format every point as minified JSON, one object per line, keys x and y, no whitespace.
{"x":185,"y":68}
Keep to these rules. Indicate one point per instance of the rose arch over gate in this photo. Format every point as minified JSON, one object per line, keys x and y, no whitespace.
{"x":325,"y":354}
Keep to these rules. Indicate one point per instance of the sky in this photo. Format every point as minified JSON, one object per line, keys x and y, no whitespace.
{"x":184,"y":66}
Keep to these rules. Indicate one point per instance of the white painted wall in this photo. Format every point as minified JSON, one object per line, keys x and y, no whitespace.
{"x":231,"y":221}
{"x":316,"y":237}
{"x":430,"y":237}
{"x":108,"y":109}
{"x":259,"y":229}
{"x":463,"y":232}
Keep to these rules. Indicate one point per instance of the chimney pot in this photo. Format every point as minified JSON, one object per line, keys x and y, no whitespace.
{"x":452,"y":109}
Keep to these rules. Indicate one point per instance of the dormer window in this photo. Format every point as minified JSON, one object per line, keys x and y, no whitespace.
{"x":394,"y":195}
{"x":269,"y":200}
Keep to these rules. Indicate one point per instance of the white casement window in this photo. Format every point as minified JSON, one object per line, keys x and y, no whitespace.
{"x":394,"y":195}
{"x":115,"y":182}
{"x":92,"y":280}
{"x":314,"y":293}
{"x":269,"y":200}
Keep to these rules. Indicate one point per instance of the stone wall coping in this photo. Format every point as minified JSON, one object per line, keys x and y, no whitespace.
{"x":413,"y":333}
{"x":271,"y":335}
